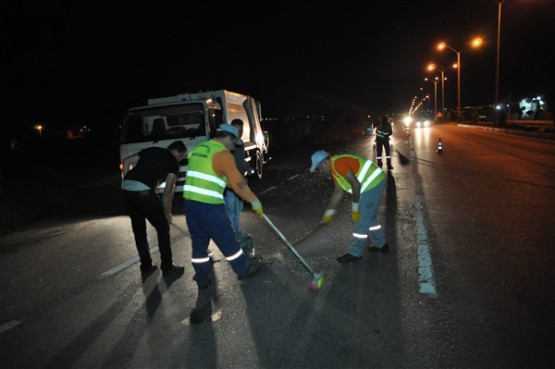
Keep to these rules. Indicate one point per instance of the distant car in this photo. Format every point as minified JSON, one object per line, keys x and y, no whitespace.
{"x":416,"y":122}
{"x":422,"y":123}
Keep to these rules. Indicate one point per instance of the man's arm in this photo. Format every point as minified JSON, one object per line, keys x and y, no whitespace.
{"x":224,"y":164}
{"x":355,"y":186}
{"x":337,"y":194}
{"x":336,"y":197}
{"x":129,"y":162}
{"x":167,"y":197}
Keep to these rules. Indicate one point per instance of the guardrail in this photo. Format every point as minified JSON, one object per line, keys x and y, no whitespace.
{"x":531,"y":123}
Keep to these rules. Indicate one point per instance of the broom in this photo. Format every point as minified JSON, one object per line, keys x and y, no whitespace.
{"x":318,"y":280}
{"x":402,"y":158}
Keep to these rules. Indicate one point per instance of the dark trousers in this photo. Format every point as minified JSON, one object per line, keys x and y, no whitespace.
{"x":149,"y":207}
{"x":206,"y":222}
{"x":383,"y":143}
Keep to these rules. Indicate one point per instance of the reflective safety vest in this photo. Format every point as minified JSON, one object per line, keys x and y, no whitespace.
{"x":384,"y":130}
{"x":369,"y":175}
{"x":381,"y":134}
{"x":201,"y":182}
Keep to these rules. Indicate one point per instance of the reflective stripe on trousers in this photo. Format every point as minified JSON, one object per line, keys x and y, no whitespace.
{"x":210,"y":222}
{"x":368,"y":226}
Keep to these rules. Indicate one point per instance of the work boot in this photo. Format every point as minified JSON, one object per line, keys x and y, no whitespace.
{"x":148,"y":269}
{"x":380,"y":164}
{"x":348,"y":258}
{"x":247,"y":245}
{"x":202,"y":311}
{"x":253,"y":269}
{"x":389,"y":166}
{"x":173,"y":270}
{"x":384,"y":249}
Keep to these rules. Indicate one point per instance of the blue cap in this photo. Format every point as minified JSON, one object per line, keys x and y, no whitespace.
{"x":228,"y":128}
{"x":317,"y":158}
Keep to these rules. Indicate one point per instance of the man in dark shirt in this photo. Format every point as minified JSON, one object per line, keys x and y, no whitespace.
{"x":141,"y":174}
{"x":233,"y":203}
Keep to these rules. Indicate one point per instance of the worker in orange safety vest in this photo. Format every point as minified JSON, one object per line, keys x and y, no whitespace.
{"x":365,"y":181}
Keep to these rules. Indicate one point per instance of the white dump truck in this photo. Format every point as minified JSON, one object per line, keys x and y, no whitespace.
{"x":193,"y":118}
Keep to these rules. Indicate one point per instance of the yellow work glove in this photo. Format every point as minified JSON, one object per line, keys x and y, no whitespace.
{"x":257,"y":207}
{"x":328,"y":216}
{"x":355,"y":214}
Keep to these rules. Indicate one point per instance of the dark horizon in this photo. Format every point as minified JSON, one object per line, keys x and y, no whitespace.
{"x":76,"y":64}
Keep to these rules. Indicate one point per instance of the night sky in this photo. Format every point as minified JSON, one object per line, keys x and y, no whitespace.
{"x":71,"y":64}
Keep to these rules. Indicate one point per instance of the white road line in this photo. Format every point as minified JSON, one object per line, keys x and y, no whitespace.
{"x":425,"y":267}
{"x":126,"y":264}
{"x":9,"y":325}
{"x":267,"y":190}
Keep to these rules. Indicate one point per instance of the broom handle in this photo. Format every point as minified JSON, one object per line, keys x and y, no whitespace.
{"x":288,"y":243}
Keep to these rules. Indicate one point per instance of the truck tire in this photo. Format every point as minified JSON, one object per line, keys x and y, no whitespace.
{"x":266,"y":140}
{"x":259,"y":164}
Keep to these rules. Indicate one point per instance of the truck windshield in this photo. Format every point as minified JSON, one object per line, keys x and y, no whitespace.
{"x":163,"y":123}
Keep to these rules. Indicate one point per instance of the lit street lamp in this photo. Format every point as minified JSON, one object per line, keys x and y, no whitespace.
{"x":39,"y":128}
{"x":435,"y":81}
{"x":432,"y":67}
{"x":475,"y":43}
{"x":426,"y":97}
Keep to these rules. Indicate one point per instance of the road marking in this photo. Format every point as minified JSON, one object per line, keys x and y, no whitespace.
{"x":267,"y":190}
{"x":425,"y":267}
{"x":124,"y":265}
{"x":9,"y":325}
{"x":272,"y":188}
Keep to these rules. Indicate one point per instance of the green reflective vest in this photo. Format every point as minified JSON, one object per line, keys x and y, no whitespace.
{"x":369,"y":174}
{"x":201,"y":182}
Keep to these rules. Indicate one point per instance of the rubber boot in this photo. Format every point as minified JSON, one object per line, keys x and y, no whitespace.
{"x":202,"y":311}
{"x":247,"y":245}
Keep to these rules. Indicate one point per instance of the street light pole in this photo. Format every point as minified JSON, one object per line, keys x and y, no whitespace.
{"x":435,"y":98}
{"x":459,"y":110}
{"x":441,"y":46}
{"x":431,"y":67}
{"x":442,"y":94}
{"x":496,"y":102}
{"x":476,"y":42}
{"x":435,"y":81}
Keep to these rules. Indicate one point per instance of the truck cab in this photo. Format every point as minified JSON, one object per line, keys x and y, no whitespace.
{"x":194,"y":118}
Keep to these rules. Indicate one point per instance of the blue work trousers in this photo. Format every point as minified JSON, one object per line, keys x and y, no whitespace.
{"x":234,"y":206}
{"x":368,"y":225}
{"x":210,"y":222}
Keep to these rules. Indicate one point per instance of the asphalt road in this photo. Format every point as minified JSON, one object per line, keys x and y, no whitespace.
{"x":468,"y":282}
